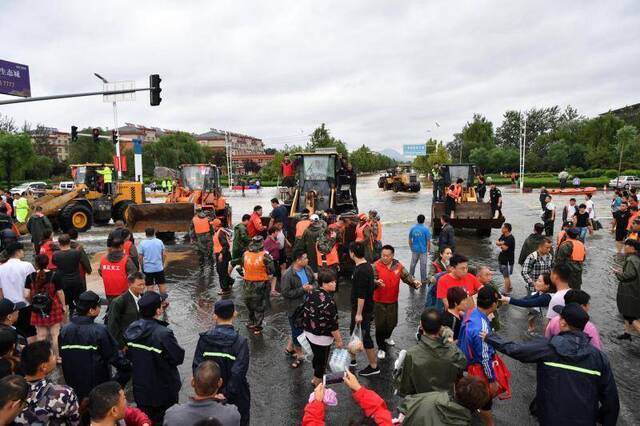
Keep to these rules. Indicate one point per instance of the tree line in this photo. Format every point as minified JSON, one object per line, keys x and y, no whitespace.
{"x":556,"y":139}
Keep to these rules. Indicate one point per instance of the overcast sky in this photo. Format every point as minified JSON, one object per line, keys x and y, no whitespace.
{"x":379,"y":73}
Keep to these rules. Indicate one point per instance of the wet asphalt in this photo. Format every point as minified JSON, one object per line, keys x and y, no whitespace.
{"x":280,"y":393}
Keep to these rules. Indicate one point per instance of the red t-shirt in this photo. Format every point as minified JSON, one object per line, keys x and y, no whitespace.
{"x":470,"y":282}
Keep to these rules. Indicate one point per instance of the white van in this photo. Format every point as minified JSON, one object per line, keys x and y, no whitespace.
{"x":67,"y":186}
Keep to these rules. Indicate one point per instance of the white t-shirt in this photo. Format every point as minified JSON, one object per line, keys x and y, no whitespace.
{"x":571,"y":211}
{"x":591,"y":208}
{"x":556,"y":299}
{"x":13,"y":275}
{"x":281,"y":239}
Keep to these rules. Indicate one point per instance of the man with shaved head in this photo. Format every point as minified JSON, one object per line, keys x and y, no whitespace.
{"x":206,"y":403}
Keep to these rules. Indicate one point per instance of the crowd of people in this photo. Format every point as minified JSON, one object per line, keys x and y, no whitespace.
{"x":48,"y":319}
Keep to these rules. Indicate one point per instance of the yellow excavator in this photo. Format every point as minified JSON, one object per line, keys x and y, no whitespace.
{"x":198,"y":187}
{"x":88,"y":204}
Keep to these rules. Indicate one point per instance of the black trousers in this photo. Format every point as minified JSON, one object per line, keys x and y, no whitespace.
{"x":548,"y":228}
{"x":72,"y":291}
{"x":155,"y":414}
{"x":320,"y":359}
{"x":222,"y":267}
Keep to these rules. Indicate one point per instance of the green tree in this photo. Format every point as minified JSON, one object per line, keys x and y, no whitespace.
{"x":627,"y":139}
{"x":176,"y":148}
{"x":558,"y":156}
{"x":508,"y":134}
{"x":600,"y":136}
{"x":321,"y":138}
{"x":476,"y":134}
{"x":41,"y":167}
{"x":365,"y":160}
{"x":16,"y":154}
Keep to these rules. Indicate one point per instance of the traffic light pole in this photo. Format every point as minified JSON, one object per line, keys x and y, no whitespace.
{"x":73,"y":95}
{"x":115,"y":126}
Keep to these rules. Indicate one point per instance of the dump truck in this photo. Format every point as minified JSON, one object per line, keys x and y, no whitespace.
{"x":198,"y":187}
{"x":470,"y":213}
{"x":399,"y":180}
{"x":87,"y":204}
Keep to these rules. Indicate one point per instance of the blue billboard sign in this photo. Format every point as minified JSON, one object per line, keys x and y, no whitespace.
{"x":413,"y":150}
{"x":14,"y":79}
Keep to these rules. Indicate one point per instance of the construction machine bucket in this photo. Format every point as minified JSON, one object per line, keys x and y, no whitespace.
{"x":163,"y":217}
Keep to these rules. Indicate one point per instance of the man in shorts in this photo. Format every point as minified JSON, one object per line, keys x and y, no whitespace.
{"x":152,"y":257}
{"x":506,"y":258}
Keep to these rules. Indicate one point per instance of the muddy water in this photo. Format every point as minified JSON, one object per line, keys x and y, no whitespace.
{"x":280,"y":393}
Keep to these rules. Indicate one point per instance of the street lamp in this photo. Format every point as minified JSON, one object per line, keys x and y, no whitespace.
{"x":115,"y":126}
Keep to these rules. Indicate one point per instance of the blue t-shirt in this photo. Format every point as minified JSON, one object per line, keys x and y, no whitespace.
{"x":151,"y":249}
{"x":419,"y":235}
{"x":303,"y":276}
{"x":279,"y":214}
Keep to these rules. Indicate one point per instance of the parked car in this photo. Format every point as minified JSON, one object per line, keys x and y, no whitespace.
{"x":33,"y":187}
{"x":625,"y":182}
{"x":66,"y":186}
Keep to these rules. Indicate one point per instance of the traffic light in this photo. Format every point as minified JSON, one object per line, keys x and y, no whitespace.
{"x":154,"y":92}
{"x":96,"y":134}
{"x":74,"y":133}
{"x":114,"y":137}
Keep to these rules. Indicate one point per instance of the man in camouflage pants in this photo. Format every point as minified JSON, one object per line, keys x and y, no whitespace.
{"x":202,"y":236}
{"x":258,"y":268}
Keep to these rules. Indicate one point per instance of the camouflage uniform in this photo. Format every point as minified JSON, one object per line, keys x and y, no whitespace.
{"x":256,"y":293}
{"x":49,"y":404}
{"x":241,"y":241}
{"x":204,"y":243}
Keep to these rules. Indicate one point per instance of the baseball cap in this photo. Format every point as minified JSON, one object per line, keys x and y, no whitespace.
{"x":149,"y":303}
{"x":90,"y":300}
{"x":573,"y":314}
{"x":7,"y":307}
{"x":224,"y":308}
{"x":314,"y":217}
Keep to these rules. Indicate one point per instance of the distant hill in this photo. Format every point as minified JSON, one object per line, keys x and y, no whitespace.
{"x":392,"y":153}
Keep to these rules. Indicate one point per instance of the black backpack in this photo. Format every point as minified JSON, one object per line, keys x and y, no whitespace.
{"x":41,"y":302}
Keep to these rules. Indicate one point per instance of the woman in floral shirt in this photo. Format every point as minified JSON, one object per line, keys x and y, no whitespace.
{"x":321,"y":322}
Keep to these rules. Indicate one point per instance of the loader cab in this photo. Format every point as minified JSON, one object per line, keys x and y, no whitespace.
{"x":199,"y":177}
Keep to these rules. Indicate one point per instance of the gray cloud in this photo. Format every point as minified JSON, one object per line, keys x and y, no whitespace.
{"x":378,"y":73}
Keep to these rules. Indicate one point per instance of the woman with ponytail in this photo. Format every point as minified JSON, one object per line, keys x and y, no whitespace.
{"x":45,"y":293}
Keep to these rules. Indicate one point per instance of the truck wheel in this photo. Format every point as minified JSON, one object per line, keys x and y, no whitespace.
{"x":119,"y":210}
{"x":76,"y":216}
{"x":167,"y":237}
{"x":484,"y":233}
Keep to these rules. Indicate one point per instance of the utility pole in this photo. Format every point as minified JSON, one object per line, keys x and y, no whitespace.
{"x":523,"y":148}
{"x":229,"y":160}
{"x":115,"y":126}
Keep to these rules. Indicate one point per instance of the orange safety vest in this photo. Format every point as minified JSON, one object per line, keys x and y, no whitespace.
{"x":578,"y":251}
{"x":329,"y":259}
{"x":217,"y":245}
{"x":201,"y":225}
{"x":457,"y":190}
{"x":360,"y":231}
{"x":114,"y":276}
{"x":632,"y":236}
{"x":254,"y":267}
{"x":302,"y":226}
{"x":562,"y":236}
{"x":221,"y":204}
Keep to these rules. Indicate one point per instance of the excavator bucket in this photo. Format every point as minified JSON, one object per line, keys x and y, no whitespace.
{"x":163,"y":217}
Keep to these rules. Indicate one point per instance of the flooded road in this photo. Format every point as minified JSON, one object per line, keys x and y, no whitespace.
{"x":280,"y":393}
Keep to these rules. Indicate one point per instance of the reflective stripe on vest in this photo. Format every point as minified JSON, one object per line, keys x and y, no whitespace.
{"x":114,"y":276}
{"x":254,"y":267}
{"x":80,"y":347}
{"x":573,"y":368}
{"x":220,"y":355}
{"x":201,"y":225}
{"x":577,"y":250}
{"x":144,"y":347}
{"x":217,"y":245}
{"x":330,"y":258}
{"x":301,"y":227}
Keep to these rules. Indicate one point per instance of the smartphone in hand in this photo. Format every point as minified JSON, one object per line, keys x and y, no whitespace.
{"x":332,"y":378}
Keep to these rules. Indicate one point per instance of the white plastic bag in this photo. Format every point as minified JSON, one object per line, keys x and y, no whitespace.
{"x":339,"y":360}
{"x":355,"y":343}
{"x":306,"y":347}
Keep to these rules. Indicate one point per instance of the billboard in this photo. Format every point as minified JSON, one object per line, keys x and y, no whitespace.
{"x":14,"y":79}
{"x":413,"y":150}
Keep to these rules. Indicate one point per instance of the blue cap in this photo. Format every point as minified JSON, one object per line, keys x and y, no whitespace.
{"x":224,"y":308}
{"x":149,"y":303}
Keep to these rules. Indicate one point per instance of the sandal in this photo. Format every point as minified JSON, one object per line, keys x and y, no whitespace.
{"x":290,"y":353}
{"x":297,"y":362}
